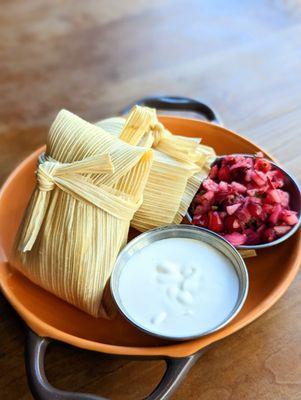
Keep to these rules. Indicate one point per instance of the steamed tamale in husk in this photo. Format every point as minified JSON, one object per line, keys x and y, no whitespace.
{"x":179,"y":166}
{"x":89,"y":185}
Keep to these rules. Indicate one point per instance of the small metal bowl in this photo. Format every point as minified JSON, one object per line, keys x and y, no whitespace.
{"x":291,"y":186}
{"x":181,"y":231}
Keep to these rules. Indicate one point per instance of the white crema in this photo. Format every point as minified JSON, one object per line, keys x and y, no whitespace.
{"x":178,"y":287}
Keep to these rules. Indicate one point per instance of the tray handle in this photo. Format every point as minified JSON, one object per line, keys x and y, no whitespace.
{"x":35,"y":349}
{"x":178,"y":103}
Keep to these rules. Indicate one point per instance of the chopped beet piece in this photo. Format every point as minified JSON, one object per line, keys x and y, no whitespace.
{"x":269,"y":235}
{"x":273,"y":196}
{"x":233,"y":208}
{"x":243,"y":214}
{"x":262,"y":165}
{"x":231,"y":223}
{"x":275,"y":215}
{"x":224,"y":174}
{"x":258,"y":178}
{"x":268,"y":208}
{"x":202,"y":208}
{"x":213,"y":172}
{"x":253,"y":237}
{"x":289,"y":217}
{"x":235,"y":238}
{"x":254,"y":209}
{"x":284,"y":198}
{"x":209,"y":184}
{"x":238,"y":187}
{"x":214,"y":221}
{"x":282,"y":229}
{"x":200,"y":220}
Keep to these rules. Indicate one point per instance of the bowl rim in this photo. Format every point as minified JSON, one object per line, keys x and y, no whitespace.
{"x":198,"y":233}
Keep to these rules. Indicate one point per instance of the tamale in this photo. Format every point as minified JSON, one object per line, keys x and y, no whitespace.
{"x":89,"y":185}
{"x":179,"y":166}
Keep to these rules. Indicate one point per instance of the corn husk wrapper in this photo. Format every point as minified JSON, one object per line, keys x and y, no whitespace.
{"x":179,"y":166}
{"x":89,"y":185}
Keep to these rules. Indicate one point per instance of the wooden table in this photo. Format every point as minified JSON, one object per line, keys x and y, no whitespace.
{"x":94,"y":57}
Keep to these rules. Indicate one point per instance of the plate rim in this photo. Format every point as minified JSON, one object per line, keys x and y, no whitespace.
{"x":175,"y":349}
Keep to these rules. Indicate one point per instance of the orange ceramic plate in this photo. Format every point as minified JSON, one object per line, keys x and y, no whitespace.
{"x":271,"y":272}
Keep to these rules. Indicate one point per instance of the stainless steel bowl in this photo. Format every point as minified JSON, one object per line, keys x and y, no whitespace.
{"x":181,"y":231}
{"x":292,"y":187}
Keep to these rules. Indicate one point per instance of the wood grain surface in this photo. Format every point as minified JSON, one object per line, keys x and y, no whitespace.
{"x":93,"y":58}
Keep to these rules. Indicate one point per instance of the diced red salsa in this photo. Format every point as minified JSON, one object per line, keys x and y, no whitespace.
{"x":243,"y":200}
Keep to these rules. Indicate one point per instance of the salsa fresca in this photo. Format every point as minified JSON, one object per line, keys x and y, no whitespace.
{"x":243,"y":200}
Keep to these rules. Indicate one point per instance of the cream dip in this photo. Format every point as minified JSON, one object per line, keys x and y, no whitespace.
{"x":178,"y":287}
